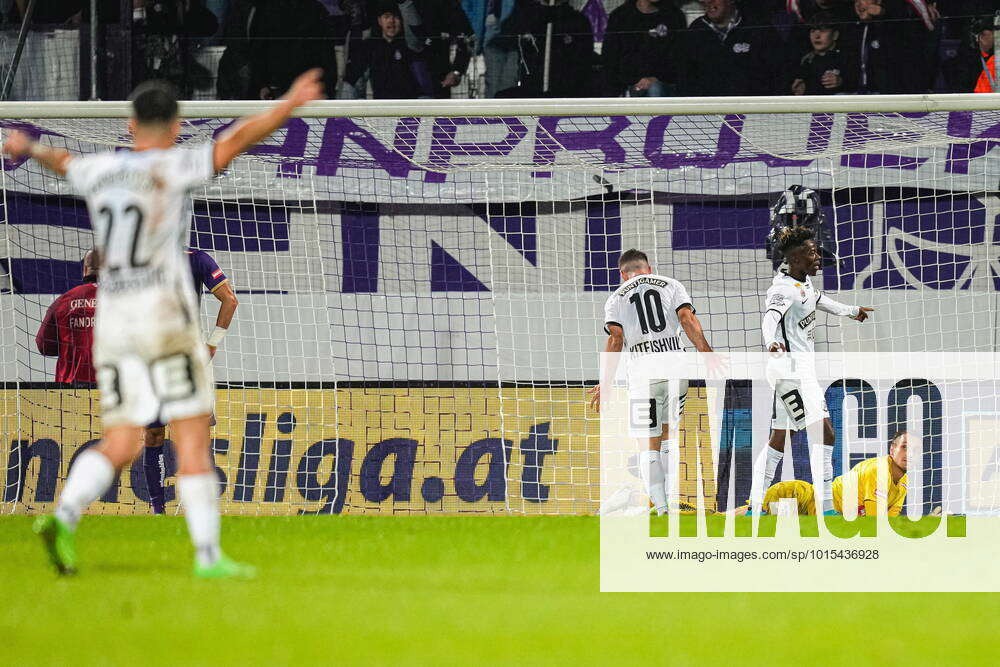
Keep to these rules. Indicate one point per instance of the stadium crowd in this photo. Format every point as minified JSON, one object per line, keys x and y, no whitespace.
{"x":406,"y":49}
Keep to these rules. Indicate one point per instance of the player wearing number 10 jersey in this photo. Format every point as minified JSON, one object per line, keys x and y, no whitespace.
{"x":151,"y":361}
{"x":644,"y":316}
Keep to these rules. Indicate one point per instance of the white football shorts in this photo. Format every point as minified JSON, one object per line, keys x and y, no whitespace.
{"x":160,"y":376}
{"x":654,"y":404}
{"x":797,"y":404}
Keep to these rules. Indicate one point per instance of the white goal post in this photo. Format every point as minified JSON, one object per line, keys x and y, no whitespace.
{"x":421,"y":286}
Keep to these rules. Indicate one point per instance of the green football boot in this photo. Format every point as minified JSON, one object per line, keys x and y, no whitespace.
{"x":225,"y":568}
{"x":58,"y":540}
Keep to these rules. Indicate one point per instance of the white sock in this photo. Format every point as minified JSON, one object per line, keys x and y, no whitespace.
{"x":91,"y":476}
{"x":827,"y":477}
{"x":199,"y":494}
{"x":668,"y":461}
{"x":772,"y":459}
{"x":771,"y":467}
{"x":652,"y":474}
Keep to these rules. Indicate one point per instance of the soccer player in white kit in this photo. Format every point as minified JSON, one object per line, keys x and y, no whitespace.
{"x":646,"y":315}
{"x":788,"y":325}
{"x":151,"y":361}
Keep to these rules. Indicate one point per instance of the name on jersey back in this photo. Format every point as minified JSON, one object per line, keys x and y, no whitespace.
{"x":645,"y":280}
{"x":117,"y":282}
{"x":124,"y":178}
{"x":671,"y":344}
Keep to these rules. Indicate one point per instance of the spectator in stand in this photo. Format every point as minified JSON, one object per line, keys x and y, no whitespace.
{"x":890,"y":45}
{"x":571,"y":56}
{"x":638,"y":49}
{"x":359,"y":26}
{"x":395,"y":71}
{"x":986,"y":82}
{"x":67,"y":330}
{"x":164,"y":33}
{"x":446,"y":25}
{"x":825,"y":70}
{"x":720,"y":55}
{"x":802,"y":11}
{"x":964,"y":72}
{"x":269,"y":43}
{"x":499,"y":48}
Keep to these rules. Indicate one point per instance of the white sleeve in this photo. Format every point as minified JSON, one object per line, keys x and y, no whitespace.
{"x":191,"y":167}
{"x":779,"y":298}
{"x":611,"y":313}
{"x":777,"y":302}
{"x":80,"y":172}
{"x":769,"y":327}
{"x":681,"y":297}
{"x":828,"y":305}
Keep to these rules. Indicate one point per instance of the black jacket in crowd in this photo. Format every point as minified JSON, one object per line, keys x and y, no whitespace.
{"x":887,"y":57}
{"x":396,"y":72}
{"x":571,"y":57}
{"x":813,"y":66}
{"x":962,"y":71}
{"x":444,"y":24}
{"x":741,"y":62}
{"x":270,"y":42}
{"x":638,"y":45}
{"x":893,"y":53}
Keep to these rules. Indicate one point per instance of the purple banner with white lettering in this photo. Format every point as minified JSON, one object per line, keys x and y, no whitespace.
{"x":477,"y":159}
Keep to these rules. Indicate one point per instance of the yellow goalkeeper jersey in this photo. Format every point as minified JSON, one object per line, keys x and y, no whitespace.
{"x":803,"y":493}
{"x":865,"y":475}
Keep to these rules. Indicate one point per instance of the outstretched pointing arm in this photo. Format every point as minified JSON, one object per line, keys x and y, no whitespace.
{"x":248,"y":132}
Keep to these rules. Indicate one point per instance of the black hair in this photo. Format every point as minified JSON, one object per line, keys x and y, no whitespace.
{"x":823,"y":20}
{"x":631,"y":256}
{"x":154,"y":102}
{"x":791,"y":238}
{"x":387,"y":7}
{"x":896,"y":436}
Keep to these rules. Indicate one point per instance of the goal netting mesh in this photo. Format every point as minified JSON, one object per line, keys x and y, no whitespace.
{"x":420,"y":296}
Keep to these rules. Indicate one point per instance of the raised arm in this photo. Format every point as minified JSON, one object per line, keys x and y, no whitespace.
{"x":828,"y":305}
{"x":248,"y":132}
{"x":19,"y":145}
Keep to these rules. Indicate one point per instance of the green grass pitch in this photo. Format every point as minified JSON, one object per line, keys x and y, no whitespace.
{"x":433,"y":590}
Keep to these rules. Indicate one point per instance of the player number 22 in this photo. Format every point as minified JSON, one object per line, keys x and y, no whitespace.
{"x":649,"y":308}
{"x":133,"y":214}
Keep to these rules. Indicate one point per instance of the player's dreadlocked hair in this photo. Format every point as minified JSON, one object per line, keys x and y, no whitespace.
{"x":791,"y":238}
{"x":154,"y":102}
{"x":630,"y":257}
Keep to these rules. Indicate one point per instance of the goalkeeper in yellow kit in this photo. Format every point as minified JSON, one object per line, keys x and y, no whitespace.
{"x":864,"y":476}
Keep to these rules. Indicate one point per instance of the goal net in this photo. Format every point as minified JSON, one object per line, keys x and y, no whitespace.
{"x":420,"y":292}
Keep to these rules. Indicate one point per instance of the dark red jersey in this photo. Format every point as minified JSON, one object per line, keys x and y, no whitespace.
{"x":68,"y":331}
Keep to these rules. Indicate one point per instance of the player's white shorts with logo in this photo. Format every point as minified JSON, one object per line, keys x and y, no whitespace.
{"x":152,"y":372}
{"x":651,"y":405}
{"x":797,"y":404}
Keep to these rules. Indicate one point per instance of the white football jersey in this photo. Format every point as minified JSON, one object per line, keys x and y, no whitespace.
{"x":795,"y":301}
{"x":645,"y":307}
{"x":140,"y":211}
